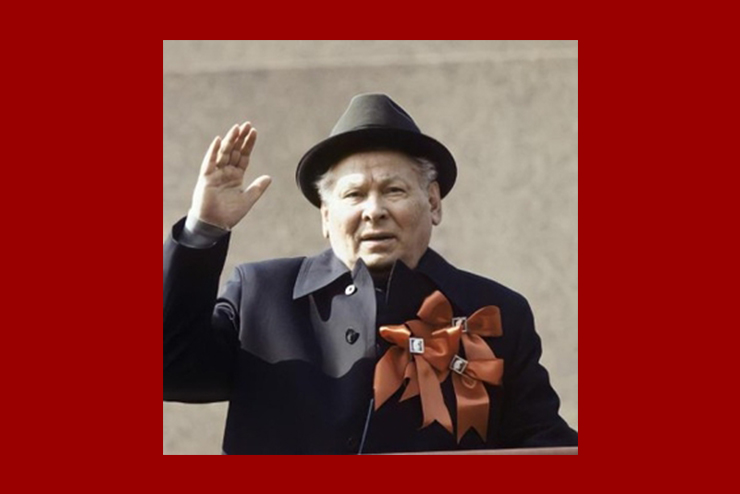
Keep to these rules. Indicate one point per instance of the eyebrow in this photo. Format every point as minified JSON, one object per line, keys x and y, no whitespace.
{"x":352,"y":182}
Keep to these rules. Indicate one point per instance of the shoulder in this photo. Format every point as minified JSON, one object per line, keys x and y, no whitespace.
{"x":274,"y":270}
{"x":492,"y":291}
{"x":272,"y":265}
{"x":471,"y":291}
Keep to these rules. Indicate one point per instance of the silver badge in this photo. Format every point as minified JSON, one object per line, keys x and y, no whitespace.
{"x":461,"y":321}
{"x":459,"y":364}
{"x":416,"y":345}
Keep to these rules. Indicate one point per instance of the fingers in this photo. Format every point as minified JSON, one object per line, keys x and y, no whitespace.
{"x":236,"y":147}
{"x":224,"y":153}
{"x":243,"y":133}
{"x":247,"y":147}
{"x":209,"y":160}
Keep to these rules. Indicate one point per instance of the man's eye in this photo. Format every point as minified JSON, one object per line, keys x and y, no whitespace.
{"x":396,"y":190}
{"x":351,"y":194}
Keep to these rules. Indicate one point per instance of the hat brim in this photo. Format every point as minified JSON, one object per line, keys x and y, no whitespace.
{"x":330,"y":151}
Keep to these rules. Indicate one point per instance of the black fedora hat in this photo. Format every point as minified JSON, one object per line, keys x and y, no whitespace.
{"x":373,"y":121}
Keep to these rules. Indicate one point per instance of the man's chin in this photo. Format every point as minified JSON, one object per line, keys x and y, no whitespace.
{"x":378,"y":263}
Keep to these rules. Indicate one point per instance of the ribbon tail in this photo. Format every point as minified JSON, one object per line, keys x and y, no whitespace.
{"x":432,"y":402}
{"x":473,"y":406}
{"x":388,"y":377}
{"x":412,"y":387}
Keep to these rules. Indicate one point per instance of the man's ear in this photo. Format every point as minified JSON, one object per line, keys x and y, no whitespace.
{"x":324,"y":220}
{"x":435,"y":202}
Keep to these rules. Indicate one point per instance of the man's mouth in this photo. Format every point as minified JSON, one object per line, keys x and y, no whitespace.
{"x":376,"y":237}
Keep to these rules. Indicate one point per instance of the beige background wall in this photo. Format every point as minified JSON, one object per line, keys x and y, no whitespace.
{"x":507,"y":110}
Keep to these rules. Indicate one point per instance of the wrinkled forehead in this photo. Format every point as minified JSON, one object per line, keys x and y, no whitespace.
{"x":375,"y":166}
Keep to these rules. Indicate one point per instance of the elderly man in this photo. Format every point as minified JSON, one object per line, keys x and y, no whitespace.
{"x":375,"y":345}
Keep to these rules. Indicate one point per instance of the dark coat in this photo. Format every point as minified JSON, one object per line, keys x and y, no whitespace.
{"x":294,"y":350}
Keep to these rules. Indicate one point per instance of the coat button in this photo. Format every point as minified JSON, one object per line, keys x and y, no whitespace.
{"x":350,"y":289}
{"x":351,"y":336}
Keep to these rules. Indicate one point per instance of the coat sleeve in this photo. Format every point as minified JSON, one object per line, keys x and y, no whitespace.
{"x":530,"y":414}
{"x":200,"y":330}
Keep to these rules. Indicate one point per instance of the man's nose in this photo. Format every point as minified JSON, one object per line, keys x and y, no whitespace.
{"x":374,"y":208}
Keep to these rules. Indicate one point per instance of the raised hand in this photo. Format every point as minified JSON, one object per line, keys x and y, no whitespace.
{"x":219,"y":197}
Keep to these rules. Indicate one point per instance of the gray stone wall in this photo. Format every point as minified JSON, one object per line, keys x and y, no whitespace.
{"x":507,"y":110}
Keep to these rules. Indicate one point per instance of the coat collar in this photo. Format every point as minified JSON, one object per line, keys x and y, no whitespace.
{"x":450,"y":281}
{"x":319,"y":271}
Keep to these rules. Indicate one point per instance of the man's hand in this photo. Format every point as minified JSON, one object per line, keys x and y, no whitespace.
{"x":219,"y":197}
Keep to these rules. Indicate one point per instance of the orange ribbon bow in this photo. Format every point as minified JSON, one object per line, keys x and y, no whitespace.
{"x":425,"y":348}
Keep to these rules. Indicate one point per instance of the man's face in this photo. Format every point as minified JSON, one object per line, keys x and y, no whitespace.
{"x":378,"y":211}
